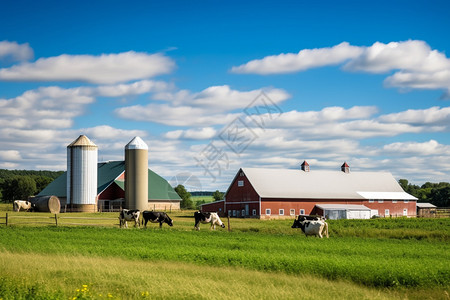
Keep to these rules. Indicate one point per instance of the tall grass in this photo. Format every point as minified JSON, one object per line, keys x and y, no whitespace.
{"x":25,"y":276}
{"x":370,"y":262}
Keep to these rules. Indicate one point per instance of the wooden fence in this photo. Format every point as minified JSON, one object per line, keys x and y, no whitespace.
{"x":56,"y":220}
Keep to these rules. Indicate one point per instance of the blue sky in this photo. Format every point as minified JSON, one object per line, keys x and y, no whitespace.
{"x":366,"y":83}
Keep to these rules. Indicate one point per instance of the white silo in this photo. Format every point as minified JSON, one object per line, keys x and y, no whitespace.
{"x":136,"y":174}
{"x":82,"y":175}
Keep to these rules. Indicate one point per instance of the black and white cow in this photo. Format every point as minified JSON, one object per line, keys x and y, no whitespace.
{"x":207,"y":217}
{"x":21,"y":204}
{"x":129,"y":215}
{"x":311,"y":227}
{"x":156,"y":217}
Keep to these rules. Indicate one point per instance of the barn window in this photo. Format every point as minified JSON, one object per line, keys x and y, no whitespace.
{"x":254,"y":212}
{"x":394,"y":201}
{"x":302,"y":211}
{"x":281,"y":212}
{"x":234,"y":213}
{"x":405,"y":211}
{"x":229,"y":212}
{"x":371,"y":201}
{"x":292,"y":212}
{"x":380,"y":201}
{"x":241,"y":174}
{"x":268,"y":211}
{"x":405,"y":201}
{"x":386,"y":212}
{"x":241,"y":183}
{"x":243,"y":212}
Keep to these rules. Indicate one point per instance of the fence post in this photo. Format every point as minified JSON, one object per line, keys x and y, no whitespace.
{"x":56,"y":220}
{"x":229,"y":228}
{"x":6,"y":222}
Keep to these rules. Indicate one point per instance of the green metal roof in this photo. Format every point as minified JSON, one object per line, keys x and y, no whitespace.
{"x":108,"y":172}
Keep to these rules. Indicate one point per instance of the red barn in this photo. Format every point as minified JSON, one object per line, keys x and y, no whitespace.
{"x":275,"y":193}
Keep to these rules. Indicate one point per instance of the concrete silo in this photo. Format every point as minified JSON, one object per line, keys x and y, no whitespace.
{"x":82,"y":175}
{"x":136,"y":174}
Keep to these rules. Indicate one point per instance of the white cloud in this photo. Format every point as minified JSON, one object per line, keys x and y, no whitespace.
{"x":430,"y":116}
{"x":204,"y":133}
{"x":209,"y":107}
{"x":14,"y":51}
{"x":431,"y":147}
{"x":417,"y":66}
{"x":135,"y":88}
{"x":13,"y":155}
{"x":301,"y":61}
{"x":45,"y":107}
{"x":103,"y":69}
{"x":328,"y":114}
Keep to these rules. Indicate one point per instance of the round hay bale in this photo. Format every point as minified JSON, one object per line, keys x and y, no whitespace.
{"x":46,"y":204}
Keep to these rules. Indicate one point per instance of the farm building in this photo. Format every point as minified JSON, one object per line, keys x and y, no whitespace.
{"x":427,"y":210}
{"x":110,"y":191}
{"x":275,"y":193}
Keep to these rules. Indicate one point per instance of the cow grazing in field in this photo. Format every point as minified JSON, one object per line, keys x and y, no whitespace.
{"x":206,"y":217}
{"x":312,"y":227}
{"x":309,"y":217}
{"x":156,"y":217}
{"x":20,"y":204}
{"x":129,"y":215}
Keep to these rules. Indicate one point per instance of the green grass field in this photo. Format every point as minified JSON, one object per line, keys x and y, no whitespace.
{"x":259,"y":259}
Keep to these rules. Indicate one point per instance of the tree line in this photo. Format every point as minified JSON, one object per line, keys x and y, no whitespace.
{"x":20,"y":184}
{"x":434,"y":193}
{"x":188,"y":203}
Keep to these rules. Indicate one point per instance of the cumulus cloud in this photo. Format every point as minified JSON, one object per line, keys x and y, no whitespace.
{"x":301,"y":61}
{"x":103,"y":69}
{"x":13,"y":51}
{"x":212,"y":106}
{"x":431,"y":147}
{"x":12,"y":155}
{"x":192,"y":134}
{"x":430,"y":116}
{"x":135,"y":88}
{"x":45,"y":107}
{"x":417,"y":66}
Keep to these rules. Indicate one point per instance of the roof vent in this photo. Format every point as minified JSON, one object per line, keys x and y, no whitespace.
{"x":345,"y":168}
{"x":305,"y":166}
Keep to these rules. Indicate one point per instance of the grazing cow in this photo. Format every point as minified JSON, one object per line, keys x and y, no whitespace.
{"x":129,"y":215}
{"x":312,"y":227}
{"x":206,"y":217}
{"x":25,"y":205}
{"x":156,"y":217}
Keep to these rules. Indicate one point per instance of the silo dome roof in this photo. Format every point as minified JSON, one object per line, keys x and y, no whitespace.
{"x":136,"y":143}
{"x":82,"y":141}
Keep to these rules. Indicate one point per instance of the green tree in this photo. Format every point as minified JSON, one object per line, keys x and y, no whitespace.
{"x":18,"y":188}
{"x":185,"y":196}
{"x":42,"y":182}
{"x":217,"y":195}
{"x":441,"y":196}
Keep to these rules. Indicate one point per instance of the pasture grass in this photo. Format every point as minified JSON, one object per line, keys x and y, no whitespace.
{"x":406,"y":258}
{"x":365,"y":261}
{"x":24,"y":276}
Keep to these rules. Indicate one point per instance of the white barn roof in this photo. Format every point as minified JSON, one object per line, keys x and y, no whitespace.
{"x":291,"y":183}
{"x":425,"y":205}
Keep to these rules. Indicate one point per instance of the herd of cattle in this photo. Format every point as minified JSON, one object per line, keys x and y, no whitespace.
{"x":310,"y":225}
